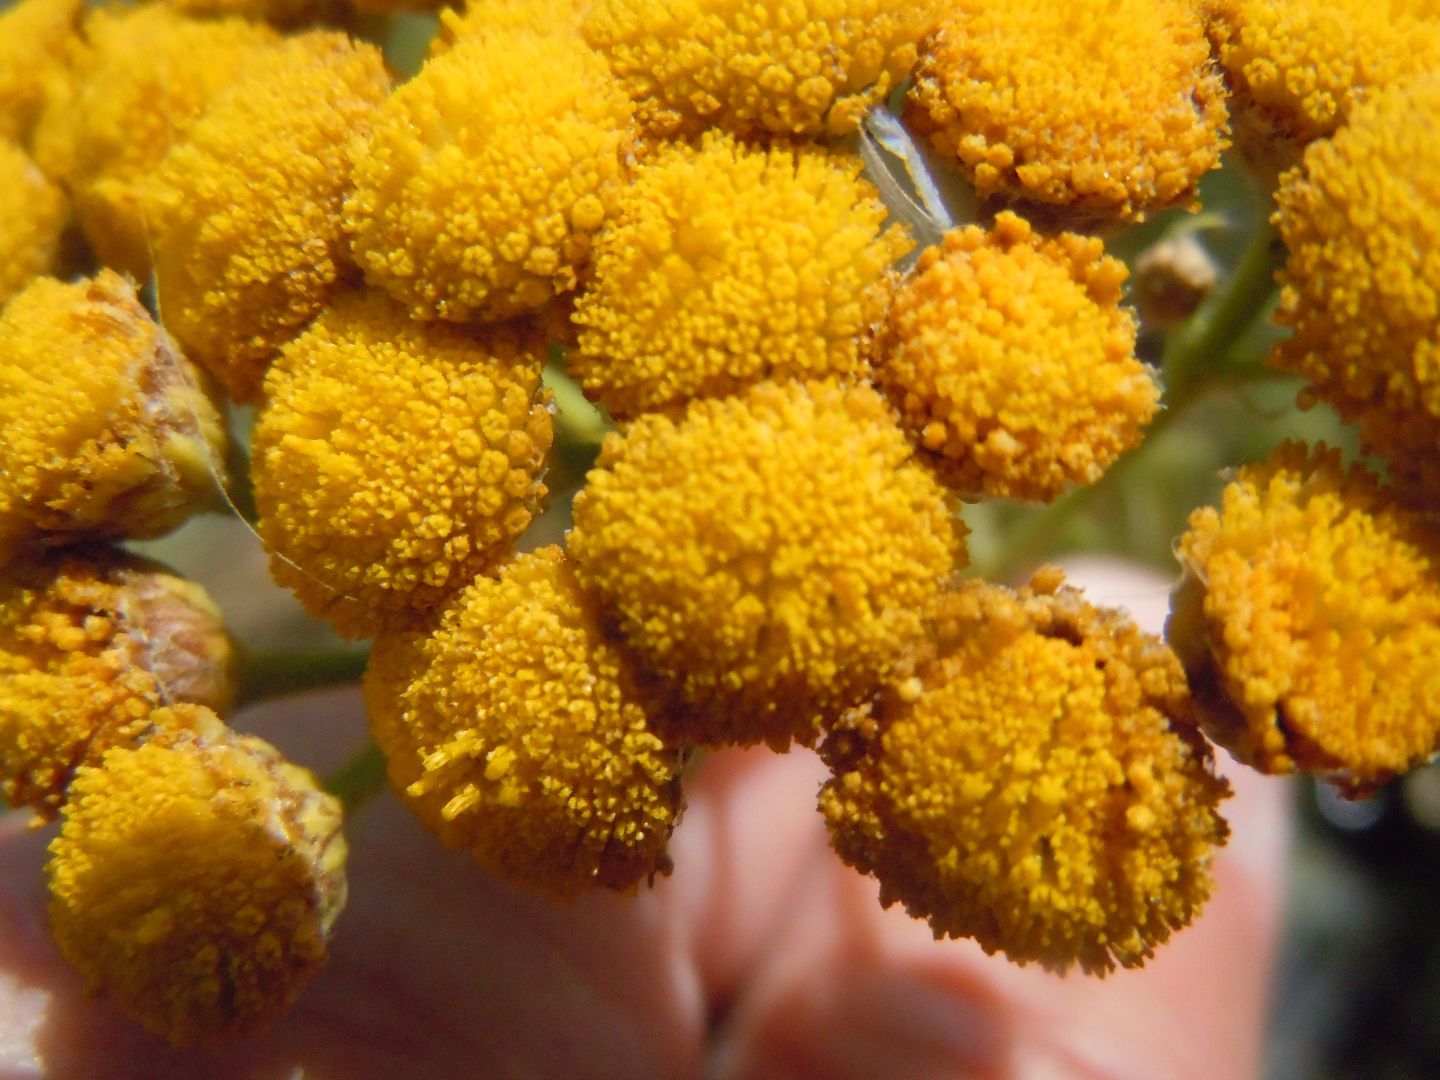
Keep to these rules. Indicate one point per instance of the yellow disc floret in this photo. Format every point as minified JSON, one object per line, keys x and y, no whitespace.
{"x":1361,"y":223}
{"x":394,"y":460}
{"x":1013,"y":363}
{"x":196,"y":879}
{"x":771,"y":554}
{"x":487,"y":175}
{"x":33,"y":213}
{"x":244,"y":217}
{"x":1298,"y":67}
{"x":105,"y":430}
{"x":520,"y":730}
{"x":1037,"y":786}
{"x":38,"y":39}
{"x":90,"y":644}
{"x":809,"y":68}
{"x":142,"y":83}
{"x":1309,"y":621}
{"x":727,"y":265}
{"x":1106,"y":107}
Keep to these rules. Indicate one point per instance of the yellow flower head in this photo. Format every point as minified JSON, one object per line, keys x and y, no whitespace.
{"x":502,"y":17}
{"x":90,"y":644}
{"x":807,"y":68}
{"x":1297,"y":67}
{"x":105,"y":430}
{"x":727,"y":265}
{"x":142,"y":83}
{"x":1107,"y":107}
{"x":772,"y":554}
{"x":1361,"y":222}
{"x":1010,"y":358}
{"x":33,"y":213}
{"x":196,"y":879}
{"x":1309,"y":621}
{"x":487,"y":175}
{"x":38,"y":39}
{"x":244,"y":217}
{"x":519,"y":729}
{"x":1037,"y":785}
{"x":394,"y":460}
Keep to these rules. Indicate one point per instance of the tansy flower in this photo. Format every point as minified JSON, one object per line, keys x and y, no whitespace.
{"x":726,"y":265}
{"x":1037,"y":785}
{"x":519,"y":729}
{"x":395,"y":460}
{"x":1107,"y":108}
{"x":196,"y":879}
{"x":244,"y":216}
{"x":1361,"y":223}
{"x":806,"y":68}
{"x":1297,"y":67}
{"x":90,"y":644}
{"x":772,"y":554}
{"x":105,"y":430}
{"x":144,"y":80}
{"x":482,"y":184}
{"x":33,"y":213}
{"x":37,"y":41}
{"x":1012,"y":362}
{"x":1309,"y":621}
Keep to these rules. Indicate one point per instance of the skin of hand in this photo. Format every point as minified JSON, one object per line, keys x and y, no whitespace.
{"x":762,"y":956}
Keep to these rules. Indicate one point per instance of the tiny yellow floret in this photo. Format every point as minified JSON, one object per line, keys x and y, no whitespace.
{"x":727,"y":265}
{"x":520,"y":729}
{"x":394,"y":460}
{"x":772,"y":554}
{"x":1013,"y":363}
{"x":33,"y":213}
{"x":106,"y":431}
{"x":196,"y":879}
{"x":244,"y":216}
{"x":487,"y":175}
{"x":1106,"y":108}
{"x":809,"y":67}
{"x":90,"y":645}
{"x":1361,"y":225}
{"x":1038,"y":785}
{"x":144,"y":79}
{"x":1309,"y":621}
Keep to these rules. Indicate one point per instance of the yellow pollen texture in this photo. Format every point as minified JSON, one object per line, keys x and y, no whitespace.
{"x":1037,"y":786}
{"x":33,"y":213}
{"x":1309,"y":621}
{"x":519,"y":729}
{"x":1012,"y":362}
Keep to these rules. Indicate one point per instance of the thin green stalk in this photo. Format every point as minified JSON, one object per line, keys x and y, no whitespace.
{"x":265,"y":676}
{"x":359,"y":780}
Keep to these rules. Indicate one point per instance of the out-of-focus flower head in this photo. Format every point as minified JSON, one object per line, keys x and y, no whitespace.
{"x":90,"y":644}
{"x":195,"y":879}
{"x":1012,"y":362}
{"x":105,"y":430}
{"x":1298,"y":67}
{"x":38,"y":39}
{"x":727,"y":265}
{"x":773,"y":554}
{"x":1361,"y":223}
{"x":809,"y":68}
{"x":481,"y":186}
{"x":33,"y":213}
{"x":1105,"y":108}
{"x":482,"y":17}
{"x":520,"y":729}
{"x":144,"y":78}
{"x":245,"y":215}
{"x":394,"y":460}
{"x":1309,"y":621}
{"x":1037,"y":785}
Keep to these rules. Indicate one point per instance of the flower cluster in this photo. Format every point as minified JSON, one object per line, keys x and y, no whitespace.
{"x":684,"y":207}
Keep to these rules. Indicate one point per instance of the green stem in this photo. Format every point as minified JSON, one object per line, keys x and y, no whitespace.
{"x":359,"y":780}
{"x":265,"y":676}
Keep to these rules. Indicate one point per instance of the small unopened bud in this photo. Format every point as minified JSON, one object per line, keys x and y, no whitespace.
{"x":1172,"y":278}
